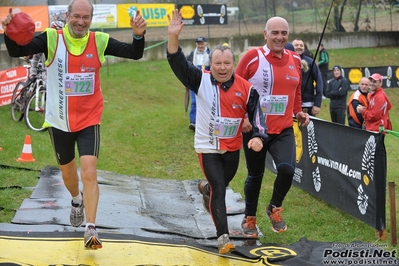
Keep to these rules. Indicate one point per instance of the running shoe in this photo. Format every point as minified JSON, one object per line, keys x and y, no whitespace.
{"x":92,"y":241}
{"x":224,"y":244}
{"x":203,"y":188}
{"x":77,"y":215}
{"x":192,"y":126}
{"x":274,"y":214}
{"x":248,"y":226}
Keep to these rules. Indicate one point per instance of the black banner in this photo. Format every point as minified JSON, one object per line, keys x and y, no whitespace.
{"x":343,"y":166}
{"x":194,"y":14}
{"x":390,"y":75}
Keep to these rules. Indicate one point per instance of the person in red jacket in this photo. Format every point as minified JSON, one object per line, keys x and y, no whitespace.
{"x":276,"y":74}
{"x":377,"y":112}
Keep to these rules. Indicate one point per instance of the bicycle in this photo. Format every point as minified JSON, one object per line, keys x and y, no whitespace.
{"x":29,"y":99}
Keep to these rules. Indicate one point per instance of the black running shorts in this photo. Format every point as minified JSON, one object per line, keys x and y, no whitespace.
{"x":88,"y":143}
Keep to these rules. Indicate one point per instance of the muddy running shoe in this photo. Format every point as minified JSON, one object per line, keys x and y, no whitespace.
{"x":274,"y":214}
{"x":248,"y":226}
{"x":203,"y":188}
{"x":92,"y":241}
{"x":77,"y":214}
{"x":224,"y":244}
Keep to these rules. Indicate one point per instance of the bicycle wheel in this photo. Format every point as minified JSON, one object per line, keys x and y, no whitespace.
{"x":35,"y":110}
{"x":18,"y":101}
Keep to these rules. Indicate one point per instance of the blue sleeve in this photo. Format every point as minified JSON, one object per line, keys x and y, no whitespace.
{"x":256,"y":116}
{"x":319,"y":85}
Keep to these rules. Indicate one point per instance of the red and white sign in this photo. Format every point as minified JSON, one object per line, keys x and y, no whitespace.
{"x":8,"y":79}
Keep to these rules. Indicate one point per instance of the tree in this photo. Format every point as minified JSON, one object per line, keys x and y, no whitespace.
{"x":359,"y":6}
{"x":338,"y":14}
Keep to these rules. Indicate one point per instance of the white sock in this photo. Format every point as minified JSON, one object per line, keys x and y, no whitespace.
{"x":78,"y":199}
{"x":90,"y":224}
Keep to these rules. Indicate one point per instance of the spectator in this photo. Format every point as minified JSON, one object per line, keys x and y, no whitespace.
{"x":290,"y":46}
{"x":376,"y":114}
{"x":323,"y":65}
{"x":200,"y":58}
{"x":337,"y":91}
{"x":312,"y":82}
{"x":355,"y":119}
{"x":267,"y":68}
{"x":223,"y":101}
{"x":307,"y":52}
{"x":77,"y":51}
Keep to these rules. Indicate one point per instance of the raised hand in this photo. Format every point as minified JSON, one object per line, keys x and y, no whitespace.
{"x":174,"y":29}
{"x":175,"y":23}
{"x":138,"y":24}
{"x":5,"y":21}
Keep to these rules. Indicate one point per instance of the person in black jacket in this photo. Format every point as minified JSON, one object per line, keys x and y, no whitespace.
{"x":312,"y":94}
{"x":337,"y":91}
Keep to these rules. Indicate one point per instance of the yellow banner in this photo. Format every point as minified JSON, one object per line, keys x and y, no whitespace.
{"x":154,"y":14}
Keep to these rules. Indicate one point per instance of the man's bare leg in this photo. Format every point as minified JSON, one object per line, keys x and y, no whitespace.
{"x":70,"y":176}
{"x":91,"y":194}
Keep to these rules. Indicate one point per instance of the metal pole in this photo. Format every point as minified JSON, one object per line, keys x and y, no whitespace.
{"x":390,"y":15}
{"x":209,"y":31}
{"x":292,"y":15}
{"x":239,"y":18}
{"x":315,"y":14}
{"x":392,"y":212}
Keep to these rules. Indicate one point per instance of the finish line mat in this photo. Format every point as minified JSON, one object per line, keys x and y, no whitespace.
{"x":144,"y":221}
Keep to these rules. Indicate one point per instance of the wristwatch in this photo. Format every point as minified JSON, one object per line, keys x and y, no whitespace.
{"x":140,"y":36}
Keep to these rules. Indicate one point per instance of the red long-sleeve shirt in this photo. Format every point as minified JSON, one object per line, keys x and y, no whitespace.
{"x":376,"y":114}
{"x":278,"y":82}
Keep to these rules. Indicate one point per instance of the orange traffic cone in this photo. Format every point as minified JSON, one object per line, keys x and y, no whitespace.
{"x":26,"y":155}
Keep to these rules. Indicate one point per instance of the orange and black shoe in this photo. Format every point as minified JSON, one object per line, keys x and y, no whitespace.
{"x":274,"y":214}
{"x":224,"y":244}
{"x":92,"y":241}
{"x":248,"y":226}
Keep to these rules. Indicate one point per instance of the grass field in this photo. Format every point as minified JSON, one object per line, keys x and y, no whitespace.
{"x":145,"y":133}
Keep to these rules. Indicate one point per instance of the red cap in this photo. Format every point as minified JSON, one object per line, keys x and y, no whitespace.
{"x":21,"y":28}
{"x":376,"y":76}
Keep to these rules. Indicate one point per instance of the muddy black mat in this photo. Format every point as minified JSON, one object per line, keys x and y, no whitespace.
{"x":130,"y":205}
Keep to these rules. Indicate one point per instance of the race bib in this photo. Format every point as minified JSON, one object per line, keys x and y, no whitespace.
{"x":226,"y":127}
{"x":79,"y":84}
{"x":274,"y":104}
